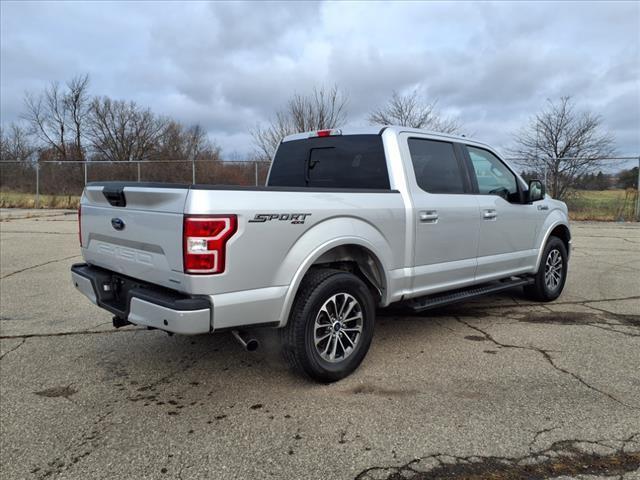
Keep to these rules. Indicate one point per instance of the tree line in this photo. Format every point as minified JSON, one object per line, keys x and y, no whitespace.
{"x":64,"y":122}
{"x":624,"y":179}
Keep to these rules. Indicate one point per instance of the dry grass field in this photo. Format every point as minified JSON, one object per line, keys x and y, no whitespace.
{"x":27,"y":200}
{"x":604,"y":205}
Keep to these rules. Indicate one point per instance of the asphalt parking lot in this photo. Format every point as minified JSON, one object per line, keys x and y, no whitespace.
{"x":497,"y":388}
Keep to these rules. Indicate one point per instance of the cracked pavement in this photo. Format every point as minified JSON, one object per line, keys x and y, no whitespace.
{"x":497,"y":388}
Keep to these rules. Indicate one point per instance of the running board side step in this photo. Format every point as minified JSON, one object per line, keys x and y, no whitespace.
{"x":440,"y":300}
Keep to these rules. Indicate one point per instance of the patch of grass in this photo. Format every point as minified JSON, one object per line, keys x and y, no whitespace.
{"x":27,"y":200}
{"x":602,"y":205}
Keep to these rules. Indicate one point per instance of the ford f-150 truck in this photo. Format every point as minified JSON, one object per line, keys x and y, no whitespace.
{"x":348,"y":223}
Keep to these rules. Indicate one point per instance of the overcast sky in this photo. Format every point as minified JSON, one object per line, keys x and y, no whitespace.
{"x":229,"y":66}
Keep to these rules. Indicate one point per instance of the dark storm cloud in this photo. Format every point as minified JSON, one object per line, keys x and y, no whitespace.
{"x":229,"y":66}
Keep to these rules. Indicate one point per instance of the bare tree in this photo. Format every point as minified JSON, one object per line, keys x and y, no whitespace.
{"x":15,"y":145}
{"x":57,"y":115}
{"x":322,"y":109}
{"x":563,"y":143}
{"x":123,"y":131}
{"x":178,"y":142}
{"x":410,"y":110}
{"x":77,"y":105}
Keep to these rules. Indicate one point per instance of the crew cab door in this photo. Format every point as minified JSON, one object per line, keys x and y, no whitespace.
{"x":507,"y":225}
{"x":446,"y":215}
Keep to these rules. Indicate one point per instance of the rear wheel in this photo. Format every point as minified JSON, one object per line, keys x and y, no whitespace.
{"x":331,"y":325}
{"x":552,"y":273}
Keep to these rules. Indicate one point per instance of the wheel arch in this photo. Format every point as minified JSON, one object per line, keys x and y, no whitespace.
{"x":354,"y":254}
{"x":560,"y":229}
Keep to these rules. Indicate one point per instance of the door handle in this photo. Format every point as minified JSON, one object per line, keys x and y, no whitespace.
{"x":429,"y":216}
{"x":543,"y":207}
{"x":489,"y":214}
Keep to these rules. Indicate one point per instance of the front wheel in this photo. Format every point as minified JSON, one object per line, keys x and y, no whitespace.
{"x":331,"y":325}
{"x":552,"y":273}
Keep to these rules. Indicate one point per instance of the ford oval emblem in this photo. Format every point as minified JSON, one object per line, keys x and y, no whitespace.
{"x":117,"y":223}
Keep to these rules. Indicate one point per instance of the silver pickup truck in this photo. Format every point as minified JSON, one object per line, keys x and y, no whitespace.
{"x":349,"y":222}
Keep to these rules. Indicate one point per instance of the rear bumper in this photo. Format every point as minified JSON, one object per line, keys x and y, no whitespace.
{"x":142,"y":303}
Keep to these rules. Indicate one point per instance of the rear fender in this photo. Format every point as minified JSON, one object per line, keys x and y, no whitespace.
{"x":308,"y":249}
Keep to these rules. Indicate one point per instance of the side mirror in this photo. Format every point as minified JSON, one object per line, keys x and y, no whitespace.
{"x":536,"y":191}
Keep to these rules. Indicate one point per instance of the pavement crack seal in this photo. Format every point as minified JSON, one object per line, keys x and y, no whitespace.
{"x":595,"y":320}
{"x":30,"y":232}
{"x":14,"y":348}
{"x":38,"y":265}
{"x":565,"y":458}
{"x":76,"y":450}
{"x":549,"y":359}
{"x":145,"y":392}
{"x":584,"y":303}
{"x":76,"y":332}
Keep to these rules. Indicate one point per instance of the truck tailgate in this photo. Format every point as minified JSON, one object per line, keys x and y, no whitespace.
{"x":135,"y":229}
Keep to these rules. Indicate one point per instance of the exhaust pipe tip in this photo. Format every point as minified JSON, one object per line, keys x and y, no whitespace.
{"x":250,"y":344}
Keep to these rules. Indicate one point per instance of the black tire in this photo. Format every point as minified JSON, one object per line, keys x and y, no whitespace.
{"x":540,"y":290}
{"x":318,"y":289}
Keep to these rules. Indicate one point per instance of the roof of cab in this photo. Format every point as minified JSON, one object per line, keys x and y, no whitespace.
{"x":378,"y":129}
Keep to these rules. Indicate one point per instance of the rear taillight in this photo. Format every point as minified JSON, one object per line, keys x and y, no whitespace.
{"x":205,"y":239}
{"x":80,"y":224}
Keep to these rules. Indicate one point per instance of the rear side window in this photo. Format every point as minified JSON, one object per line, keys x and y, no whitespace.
{"x":436,"y":167}
{"x":349,"y":161}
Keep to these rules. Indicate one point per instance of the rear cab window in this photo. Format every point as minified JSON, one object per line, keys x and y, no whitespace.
{"x":341,"y":161}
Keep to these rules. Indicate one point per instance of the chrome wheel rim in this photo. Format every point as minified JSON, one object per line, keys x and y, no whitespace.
{"x":553,"y":269}
{"x":338,"y":327}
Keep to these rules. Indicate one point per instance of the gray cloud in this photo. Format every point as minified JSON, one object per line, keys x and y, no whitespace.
{"x":229,"y":66}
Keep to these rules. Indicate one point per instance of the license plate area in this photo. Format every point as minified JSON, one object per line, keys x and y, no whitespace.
{"x":115,"y":291}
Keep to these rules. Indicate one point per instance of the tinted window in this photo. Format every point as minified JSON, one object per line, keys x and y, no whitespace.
{"x":436,"y":167}
{"x":349,"y":161}
{"x":494,"y":178}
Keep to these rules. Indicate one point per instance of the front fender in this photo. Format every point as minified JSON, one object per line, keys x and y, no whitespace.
{"x":555,"y":218}
{"x":324,"y":236}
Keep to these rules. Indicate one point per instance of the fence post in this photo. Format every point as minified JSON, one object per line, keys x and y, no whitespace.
{"x":193,"y":171}
{"x":138,"y":163}
{"x":638,"y":194}
{"x":37,"y":203}
{"x":84,"y":167}
{"x":255,"y":164}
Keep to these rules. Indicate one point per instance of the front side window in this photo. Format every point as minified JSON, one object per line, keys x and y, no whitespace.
{"x":436,"y":167}
{"x":494,"y":178}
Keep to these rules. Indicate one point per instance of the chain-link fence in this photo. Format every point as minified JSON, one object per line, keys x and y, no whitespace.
{"x":606,"y":199}
{"x":59,"y":184}
{"x":68,"y":178}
